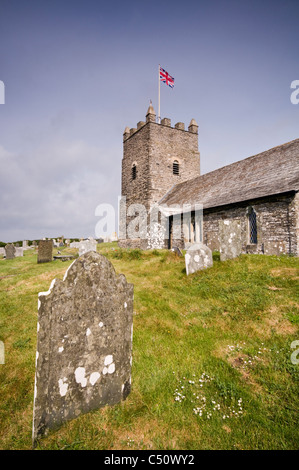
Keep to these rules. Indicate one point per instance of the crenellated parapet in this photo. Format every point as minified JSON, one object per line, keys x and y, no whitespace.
{"x":151,"y":117}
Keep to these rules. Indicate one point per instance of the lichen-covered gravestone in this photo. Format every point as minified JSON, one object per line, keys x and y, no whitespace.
{"x":198,"y":257}
{"x":10,"y":251}
{"x":45,"y":251}
{"x":229,"y":239}
{"x":84,"y":343}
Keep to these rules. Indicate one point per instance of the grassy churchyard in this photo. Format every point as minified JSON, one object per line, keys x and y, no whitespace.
{"x":213,"y":362}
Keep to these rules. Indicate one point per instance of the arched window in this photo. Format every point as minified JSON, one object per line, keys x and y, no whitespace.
{"x":134,"y":171}
{"x":252,"y":226}
{"x":176,"y":167}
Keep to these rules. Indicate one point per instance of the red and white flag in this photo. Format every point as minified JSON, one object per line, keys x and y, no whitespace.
{"x":166,"y":78}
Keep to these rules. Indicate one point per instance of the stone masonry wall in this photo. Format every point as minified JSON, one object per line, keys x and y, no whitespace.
{"x":153,"y":148}
{"x":166,"y":145}
{"x":294,"y":217}
{"x":276,"y":225}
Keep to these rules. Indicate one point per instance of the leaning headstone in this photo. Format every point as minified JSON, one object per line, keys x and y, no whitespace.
{"x":84,"y":343}
{"x":10,"y":251}
{"x":87,"y":245}
{"x":177,"y":251}
{"x":230,"y":239}
{"x":198,"y":257}
{"x":19,"y":251}
{"x":45,"y":251}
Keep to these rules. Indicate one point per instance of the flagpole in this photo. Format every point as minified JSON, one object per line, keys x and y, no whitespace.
{"x":159,"y":116}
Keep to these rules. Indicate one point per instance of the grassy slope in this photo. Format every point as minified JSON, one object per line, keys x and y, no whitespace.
{"x":211,"y":356}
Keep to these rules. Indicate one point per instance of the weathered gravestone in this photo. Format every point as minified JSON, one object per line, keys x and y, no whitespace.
{"x":25,"y":244}
{"x":84,"y":343}
{"x":198,"y":257}
{"x":45,"y":251}
{"x":229,"y":239}
{"x":19,"y":251}
{"x":2,"y":251}
{"x":87,"y":245}
{"x":10,"y":251}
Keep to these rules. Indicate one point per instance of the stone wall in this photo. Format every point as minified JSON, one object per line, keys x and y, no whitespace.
{"x":277,"y":225}
{"x":294,"y":218}
{"x":153,"y":148}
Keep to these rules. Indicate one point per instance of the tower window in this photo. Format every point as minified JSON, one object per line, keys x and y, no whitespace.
{"x":252,"y":226}
{"x":134,"y":172}
{"x":176,"y":168}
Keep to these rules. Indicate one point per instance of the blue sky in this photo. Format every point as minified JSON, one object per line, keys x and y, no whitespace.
{"x":76,"y":73}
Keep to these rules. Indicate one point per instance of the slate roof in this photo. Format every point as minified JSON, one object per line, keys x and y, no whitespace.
{"x":272,"y":172}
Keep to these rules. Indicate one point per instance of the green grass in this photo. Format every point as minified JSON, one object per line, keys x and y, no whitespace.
{"x":211,"y":355}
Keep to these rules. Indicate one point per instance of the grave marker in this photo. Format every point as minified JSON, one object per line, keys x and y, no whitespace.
{"x":84,"y":343}
{"x":230,"y":239}
{"x":45,"y":251}
{"x":198,"y":257}
{"x":10,"y":251}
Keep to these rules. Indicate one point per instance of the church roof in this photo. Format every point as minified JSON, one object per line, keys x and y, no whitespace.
{"x":272,"y":172}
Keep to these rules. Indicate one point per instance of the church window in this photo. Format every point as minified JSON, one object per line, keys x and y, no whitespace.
{"x":134,"y":171}
{"x":252,"y":226}
{"x":176,"y":167}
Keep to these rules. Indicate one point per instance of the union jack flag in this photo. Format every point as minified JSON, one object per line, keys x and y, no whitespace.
{"x":166,"y":78}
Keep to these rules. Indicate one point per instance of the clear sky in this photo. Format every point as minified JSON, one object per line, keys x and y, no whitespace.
{"x":76,"y":73}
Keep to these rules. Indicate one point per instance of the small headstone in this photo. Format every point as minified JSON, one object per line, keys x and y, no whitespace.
{"x":87,"y":245}
{"x":84,"y":343}
{"x":177,"y":250}
{"x":74,"y":244}
{"x":19,"y":252}
{"x":198,"y":257}
{"x":10,"y":251}
{"x":230,"y":239}
{"x":45,"y":251}
{"x":25,"y":244}
{"x":2,"y":251}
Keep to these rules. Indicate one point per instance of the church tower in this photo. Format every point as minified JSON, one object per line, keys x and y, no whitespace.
{"x":155,"y":158}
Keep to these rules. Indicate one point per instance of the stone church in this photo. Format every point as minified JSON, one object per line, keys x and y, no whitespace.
{"x":161,"y":169}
